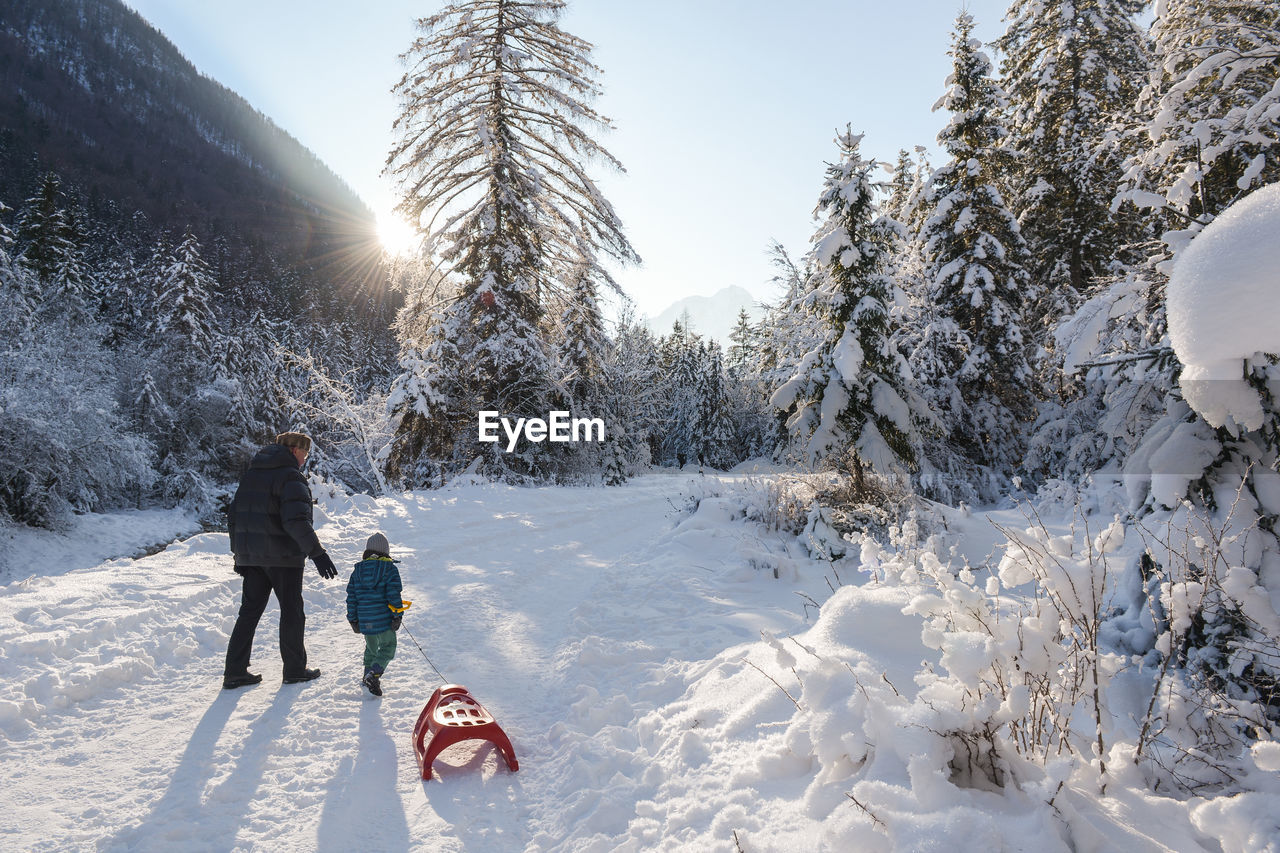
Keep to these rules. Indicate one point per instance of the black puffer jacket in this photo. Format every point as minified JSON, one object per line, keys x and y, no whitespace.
{"x":270,"y":520}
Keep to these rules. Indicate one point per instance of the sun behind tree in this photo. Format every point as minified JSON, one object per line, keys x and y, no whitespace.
{"x":397,"y":237}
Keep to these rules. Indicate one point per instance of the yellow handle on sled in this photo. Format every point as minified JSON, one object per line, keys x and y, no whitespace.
{"x":405,"y":606}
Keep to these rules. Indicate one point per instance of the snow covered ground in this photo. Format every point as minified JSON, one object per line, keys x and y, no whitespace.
{"x":655,"y":660}
{"x":28,"y":551}
{"x":571,"y":613}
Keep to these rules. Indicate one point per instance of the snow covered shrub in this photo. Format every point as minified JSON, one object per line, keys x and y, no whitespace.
{"x":1109,"y":372}
{"x":1027,"y":653}
{"x":828,"y":509}
{"x":179,"y":485}
{"x":1025,"y":673}
{"x":831,"y":506}
{"x":1212,"y":494}
{"x":63,"y":443}
{"x":1217,"y":642}
{"x":855,"y":500}
{"x":779,"y":502}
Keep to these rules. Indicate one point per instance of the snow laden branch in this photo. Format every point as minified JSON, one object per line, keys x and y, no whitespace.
{"x":1212,"y":112}
{"x":334,"y":400}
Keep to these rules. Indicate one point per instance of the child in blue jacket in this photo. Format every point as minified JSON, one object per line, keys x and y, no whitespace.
{"x":375,"y":609}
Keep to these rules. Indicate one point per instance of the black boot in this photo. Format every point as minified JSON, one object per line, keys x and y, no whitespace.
{"x":244,"y":679}
{"x":372,"y":682}
{"x":305,"y":675}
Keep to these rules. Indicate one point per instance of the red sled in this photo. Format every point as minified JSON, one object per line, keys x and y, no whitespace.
{"x":453,"y":715}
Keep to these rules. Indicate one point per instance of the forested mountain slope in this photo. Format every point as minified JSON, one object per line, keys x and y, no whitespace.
{"x":91,"y":91}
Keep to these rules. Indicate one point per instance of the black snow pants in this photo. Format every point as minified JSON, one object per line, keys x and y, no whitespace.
{"x":259,"y":583}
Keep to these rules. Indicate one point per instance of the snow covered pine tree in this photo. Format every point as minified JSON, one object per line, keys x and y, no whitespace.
{"x":490,"y":165}
{"x":53,"y":256}
{"x":847,"y":394}
{"x":976,"y":280}
{"x":1071,"y":67}
{"x":185,"y":342}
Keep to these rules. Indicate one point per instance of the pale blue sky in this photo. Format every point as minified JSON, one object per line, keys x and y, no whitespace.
{"x":725,"y":111}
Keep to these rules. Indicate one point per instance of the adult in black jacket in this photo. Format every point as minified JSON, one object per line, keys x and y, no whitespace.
{"x":271,"y":531}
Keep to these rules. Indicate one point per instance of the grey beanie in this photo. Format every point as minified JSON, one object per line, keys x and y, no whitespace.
{"x":379,"y":545}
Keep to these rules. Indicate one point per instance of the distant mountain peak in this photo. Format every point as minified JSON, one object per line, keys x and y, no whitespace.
{"x":713,"y":316}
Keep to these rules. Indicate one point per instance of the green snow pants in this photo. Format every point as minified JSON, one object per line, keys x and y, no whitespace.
{"x":379,"y":649}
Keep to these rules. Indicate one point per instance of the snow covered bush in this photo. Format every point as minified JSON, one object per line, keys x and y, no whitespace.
{"x":778,"y":501}
{"x":857,"y":502}
{"x":1086,"y":651}
{"x":63,"y":444}
{"x":1023,"y":672}
{"x":893,"y":761}
{"x":1205,"y":478}
{"x":1022,"y":728}
{"x":829,"y":509}
{"x":1111,"y":369}
{"x":1217,"y":639}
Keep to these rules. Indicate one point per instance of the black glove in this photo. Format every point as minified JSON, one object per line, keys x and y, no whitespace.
{"x":396,"y":619}
{"x":355,"y":627}
{"x":239,"y":570}
{"x":325,"y":566}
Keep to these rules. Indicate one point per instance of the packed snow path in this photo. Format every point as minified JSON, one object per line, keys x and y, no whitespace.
{"x":570,"y":613}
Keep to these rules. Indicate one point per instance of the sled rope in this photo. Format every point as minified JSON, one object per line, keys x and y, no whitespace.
{"x":424,"y":654}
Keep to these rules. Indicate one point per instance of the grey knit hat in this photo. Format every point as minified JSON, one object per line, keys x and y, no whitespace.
{"x":378,"y":544}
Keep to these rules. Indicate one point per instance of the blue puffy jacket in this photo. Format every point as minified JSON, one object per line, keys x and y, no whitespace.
{"x":374,"y":584}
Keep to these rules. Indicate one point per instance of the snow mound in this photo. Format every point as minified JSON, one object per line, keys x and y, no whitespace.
{"x":1222,"y":307}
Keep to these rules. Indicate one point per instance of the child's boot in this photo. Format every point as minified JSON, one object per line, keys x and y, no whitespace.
{"x":372,"y":683}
